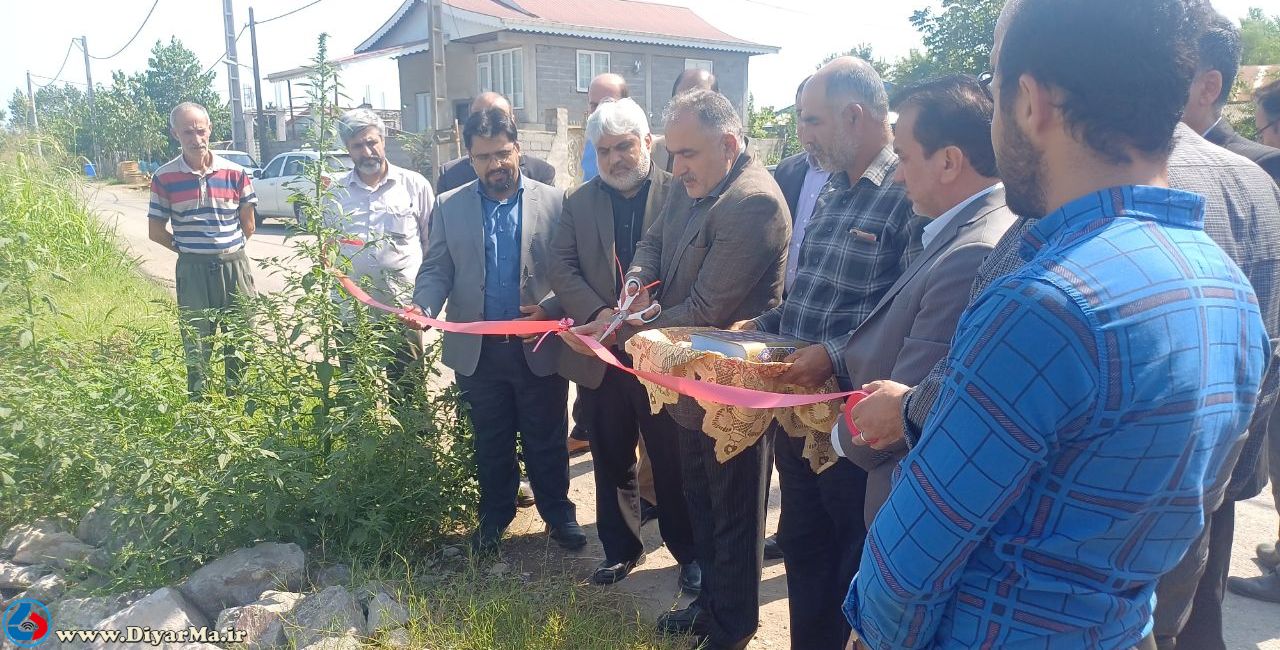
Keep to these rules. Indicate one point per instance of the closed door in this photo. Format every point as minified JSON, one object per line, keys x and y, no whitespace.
{"x":268,"y":187}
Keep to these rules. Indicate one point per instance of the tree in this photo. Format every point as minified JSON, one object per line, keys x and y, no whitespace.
{"x":64,"y":116}
{"x":862,"y":51}
{"x":128,"y":122}
{"x":1260,"y":38}
{"x":174,"y":76}
{"x":18,"y":108}
{"x":957,"y":39}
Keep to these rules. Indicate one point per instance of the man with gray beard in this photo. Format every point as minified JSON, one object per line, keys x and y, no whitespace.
{"x":385,"y":209}
{"x":596,"y":237}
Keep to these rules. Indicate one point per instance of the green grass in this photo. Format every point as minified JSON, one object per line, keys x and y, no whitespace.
{"x":454,"y":607}
{"x":93,"y":409}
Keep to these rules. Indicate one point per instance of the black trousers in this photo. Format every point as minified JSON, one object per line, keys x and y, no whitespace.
{"x":618,"y":412}
{"x":507,"y":399}
{"x":727,"y":503}
{"x":1202,"y":629}
{"x":821,"y":534}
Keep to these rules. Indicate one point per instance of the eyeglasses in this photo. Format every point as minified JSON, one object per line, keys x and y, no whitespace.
{"x":502,"y":155}
{"x":985,"y":80}
{"x":1269,"y":125}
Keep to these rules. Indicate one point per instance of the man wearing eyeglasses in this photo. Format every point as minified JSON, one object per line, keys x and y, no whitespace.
{"x":1220,"y":49}
{"x":488,"y":257}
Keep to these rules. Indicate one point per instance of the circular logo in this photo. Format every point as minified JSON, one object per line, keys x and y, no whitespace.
{"x":26,"y":623}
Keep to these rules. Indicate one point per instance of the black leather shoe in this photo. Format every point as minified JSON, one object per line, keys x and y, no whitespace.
{"x":648,"y":512}
{"x":486,"y":545}
{"x":771,"y":549}
{"x":1269,"y":554}
{"x":607,"y":574}
{"x":524,"y":496}
{"x":690,"y":620}
{"x":569,"y":536}
{"x":1265,"y":587}
{"x":691,"y":578}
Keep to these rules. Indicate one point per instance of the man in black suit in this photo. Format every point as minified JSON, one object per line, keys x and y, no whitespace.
{"x":459,"y":172}
{"x":1219,"y":62}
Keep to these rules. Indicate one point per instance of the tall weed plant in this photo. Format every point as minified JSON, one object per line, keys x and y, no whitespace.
{"x":314,"y":445}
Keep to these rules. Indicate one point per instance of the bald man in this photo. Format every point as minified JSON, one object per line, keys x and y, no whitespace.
{"x":459,"y":172}
{"x":604,"y":88}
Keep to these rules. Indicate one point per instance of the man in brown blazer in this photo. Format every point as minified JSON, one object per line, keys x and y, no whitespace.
{"x":943,"y":139}
{"x":719,"y":249}
{"x":595,"y":237}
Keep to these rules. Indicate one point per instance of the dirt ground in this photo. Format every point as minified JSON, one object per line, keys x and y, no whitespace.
{"x":1250,"y":625}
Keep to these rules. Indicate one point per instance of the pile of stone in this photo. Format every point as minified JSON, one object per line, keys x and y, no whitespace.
{"x":256,"y":592}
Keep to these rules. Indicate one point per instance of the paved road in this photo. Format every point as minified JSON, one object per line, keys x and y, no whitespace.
{"x":125,"y":209}
{"x":1250,"y":625}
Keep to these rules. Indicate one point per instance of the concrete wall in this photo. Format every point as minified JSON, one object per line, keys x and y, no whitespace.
{"x":550,"y":67}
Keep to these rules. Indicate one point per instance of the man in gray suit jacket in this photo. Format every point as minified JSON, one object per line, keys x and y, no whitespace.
{"x":489,"y":257}
{"x":719,"y":248}
{"x":943,"y":139}
{"x":599,"y":229}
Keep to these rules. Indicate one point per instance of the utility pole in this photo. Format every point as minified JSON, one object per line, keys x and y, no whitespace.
{"x":93,"y":112}
{"x":260,"y":124}
{"x":34,"y":119}
{"x":442,"y":112}
{"x":238,"y":139}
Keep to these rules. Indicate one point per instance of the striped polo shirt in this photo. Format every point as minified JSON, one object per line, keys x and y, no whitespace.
{"x":204,"y":209}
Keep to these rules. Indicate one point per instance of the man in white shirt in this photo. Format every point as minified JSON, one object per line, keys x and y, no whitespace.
{"x":384,"y":210}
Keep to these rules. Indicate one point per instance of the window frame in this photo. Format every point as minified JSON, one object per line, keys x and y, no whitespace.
{"x":424,"y":109}
{"x":502,"y":67}
{"x":595,"y":69}
{"x":692,"y":64}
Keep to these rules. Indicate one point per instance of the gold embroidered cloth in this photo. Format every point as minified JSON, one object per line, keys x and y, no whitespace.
{"x":733,"y":428}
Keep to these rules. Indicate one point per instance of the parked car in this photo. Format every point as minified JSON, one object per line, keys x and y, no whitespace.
{"x":240,"y":158}
{"x":276,"y":182}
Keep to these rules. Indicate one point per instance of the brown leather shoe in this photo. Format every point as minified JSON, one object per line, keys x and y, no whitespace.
{"x":578,"y":446}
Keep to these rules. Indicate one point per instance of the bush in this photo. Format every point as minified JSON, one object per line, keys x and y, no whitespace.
{"x":332,"y":457}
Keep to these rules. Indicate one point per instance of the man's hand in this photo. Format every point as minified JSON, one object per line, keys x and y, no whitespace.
{"x":878,"y":416}
{"x":593,"y":329}
{"x":810,"y":367}
{"x":642,"y":297}
{"x":410,"y":323}
{"x":532,"y":312}
{"x":744,"y":325}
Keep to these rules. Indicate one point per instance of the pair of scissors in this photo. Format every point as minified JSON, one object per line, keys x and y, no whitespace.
{"x":646,"y":315}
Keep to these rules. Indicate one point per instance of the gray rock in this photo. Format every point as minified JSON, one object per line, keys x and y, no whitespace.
{"x":58,"y":549}
{"x":331,"y":612}
{"x":22,"y":534}
{"x":241,"y":576}
{"x":163,"y":609}
{"x":386,"y":614}
{"x":262,"y":621}
{"x":334,"y":575}
{"x":13,"y":576}
{"x":333,"y":643}
{"x":398,"y":638}
{"x":104,"y":526}
{"x":498,"y":568}
{"x":452,"y":551}
{"x":45,"y":590}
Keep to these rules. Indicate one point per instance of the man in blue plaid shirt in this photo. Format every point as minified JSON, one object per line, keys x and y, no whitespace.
{"x":854,"y":249}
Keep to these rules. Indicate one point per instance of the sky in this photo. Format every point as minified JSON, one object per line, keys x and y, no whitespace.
{"x":36,"y":34}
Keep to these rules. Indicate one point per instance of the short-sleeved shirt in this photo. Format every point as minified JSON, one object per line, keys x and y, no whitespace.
{"x":203,"y":208}
{"x":390,"y":223}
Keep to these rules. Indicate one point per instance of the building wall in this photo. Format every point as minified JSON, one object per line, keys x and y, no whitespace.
{"x":550,"y":74}
{"x":415,"y":77}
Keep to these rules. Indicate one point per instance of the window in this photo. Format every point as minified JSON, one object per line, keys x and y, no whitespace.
{"x":698,"y":64}
{"x":294,"y":166}
{"x":273,"y":169}
{"x":503,"y":73}
{"x":590,"y":64}
{"x":424,"y":112}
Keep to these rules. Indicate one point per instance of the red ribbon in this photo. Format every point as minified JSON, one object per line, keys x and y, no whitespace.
{"x":695,"y":388}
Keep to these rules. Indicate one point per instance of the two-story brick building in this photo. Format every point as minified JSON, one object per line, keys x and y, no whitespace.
{"x":542,"y":54}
